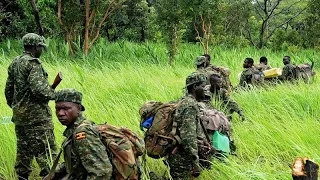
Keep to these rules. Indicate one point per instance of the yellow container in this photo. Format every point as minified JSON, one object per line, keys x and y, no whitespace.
{"x":271,"y":73}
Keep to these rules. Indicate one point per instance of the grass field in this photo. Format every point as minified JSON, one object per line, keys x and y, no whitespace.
{"x":116,"y":79}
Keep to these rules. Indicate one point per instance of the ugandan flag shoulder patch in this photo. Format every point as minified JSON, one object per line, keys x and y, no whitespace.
{"x":80,"y":135}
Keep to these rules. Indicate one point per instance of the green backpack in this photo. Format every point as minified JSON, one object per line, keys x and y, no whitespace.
{"x":161,"y":138}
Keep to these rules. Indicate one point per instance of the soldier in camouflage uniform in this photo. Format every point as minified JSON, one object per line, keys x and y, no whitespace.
{"x":185,"y":162}
{"x":204,"y":66}
{"x":28,"y":92}
{"x":263,"y":64}
{"x":219,"y":94}
{"x":85,"y":155}
{"x":289,"y":70}
{"x":247,"y":74}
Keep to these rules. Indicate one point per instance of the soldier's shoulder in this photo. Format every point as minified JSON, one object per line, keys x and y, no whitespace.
{"x":187,"y":102}
{"x":85,"y":126}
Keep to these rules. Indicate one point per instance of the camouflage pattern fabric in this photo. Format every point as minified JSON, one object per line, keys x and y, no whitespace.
{"x":124,"y":147}
{"x":32,"y":141}
{"x":28,"y":91}
{"x":33,"y":39}
{"x":69,"y":95}
{"x":200,"y":60}
{"x":223,"y":72}
{"x":188,"y":123}
{"x":246,"y":77}
{"x":223,"y":96}
{"x":85,"y":156}
{"x":262,"y":66}
{"x":289,"y":72}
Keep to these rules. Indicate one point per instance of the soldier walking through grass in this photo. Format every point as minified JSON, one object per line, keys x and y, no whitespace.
{"x":27,"y":93}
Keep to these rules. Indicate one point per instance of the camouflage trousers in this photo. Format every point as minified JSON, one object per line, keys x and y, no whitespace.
{"x":32,"y":141}
{"x":180,"y":165}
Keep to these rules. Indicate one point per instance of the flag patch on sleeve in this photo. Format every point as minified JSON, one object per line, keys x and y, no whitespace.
{"x":80,"y":135}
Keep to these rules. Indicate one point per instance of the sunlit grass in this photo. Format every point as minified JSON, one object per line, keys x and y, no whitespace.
{"x":282,"y":121}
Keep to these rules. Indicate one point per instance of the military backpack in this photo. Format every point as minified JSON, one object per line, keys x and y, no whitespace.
{"x":161,"y":137}
{"x":123,"y":147}
{"x":304,"y":71}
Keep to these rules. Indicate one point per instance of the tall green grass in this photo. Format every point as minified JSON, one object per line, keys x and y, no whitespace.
{"x":117,"y":78}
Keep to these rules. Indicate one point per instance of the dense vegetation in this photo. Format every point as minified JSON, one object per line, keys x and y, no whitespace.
{"x":277,"y":24}
{"x":116,"y":78}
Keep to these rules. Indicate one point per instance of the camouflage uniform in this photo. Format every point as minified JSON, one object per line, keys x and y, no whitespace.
{"x":288,"y":72}
{"x":246,"y":77}
{"x":28,"y":92}
{"x":188,"y":119}
{"x":85,"y":155}
{"x":223,"y":96}
{"x":262,"y":66}
{"x":224,"y":73}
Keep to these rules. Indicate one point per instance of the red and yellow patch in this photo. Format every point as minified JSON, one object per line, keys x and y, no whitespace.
{"x":80,"y":135}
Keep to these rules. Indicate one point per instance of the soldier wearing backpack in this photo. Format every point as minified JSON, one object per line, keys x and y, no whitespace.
{"x":185,"y":161}
{"x":219,"y":94}
{"x":263,"y":65}
{"x":204,"y":66}
{"x":289,"y":72}
{"x":85,"y":156}
{"x":250,"y":76}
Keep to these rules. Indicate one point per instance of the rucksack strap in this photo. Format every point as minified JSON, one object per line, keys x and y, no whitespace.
{"x":56,"y":161}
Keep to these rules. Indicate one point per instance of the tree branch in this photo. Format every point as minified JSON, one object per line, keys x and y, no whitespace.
{"x":287,"y":21}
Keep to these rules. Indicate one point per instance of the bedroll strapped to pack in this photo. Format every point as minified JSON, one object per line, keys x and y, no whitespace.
{"x":124,"y":147}
{"x":161,"y":138}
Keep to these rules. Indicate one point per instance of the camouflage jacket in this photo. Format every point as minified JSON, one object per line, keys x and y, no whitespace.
{"x":85,"y":156}
{"x":224,"y":73}
{"x":262,"y":67}
{"x":187,"y":116}
{"x":28,"y":91}
{"x":288,"y":72}
{"x":223,"y":96}
{"x":246,"y":77}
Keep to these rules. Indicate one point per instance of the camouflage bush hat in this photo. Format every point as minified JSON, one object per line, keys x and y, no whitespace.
{"x":200,"y":60}
{"x":33,"y":39}
{"x":69,"y":95}
{"x":195,"y":78}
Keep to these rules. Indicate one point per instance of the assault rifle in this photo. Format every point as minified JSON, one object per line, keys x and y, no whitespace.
{"x":57,"y":80}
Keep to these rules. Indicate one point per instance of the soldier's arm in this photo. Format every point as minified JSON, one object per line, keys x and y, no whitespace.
{"x":188,"y":133}
{"x":230,"y":104}
{"x":92,"y":153}
{"x":243,"y":79}
{"x":285,"y":73}
{"x":39,"y":83}
{"x":9,"y":89}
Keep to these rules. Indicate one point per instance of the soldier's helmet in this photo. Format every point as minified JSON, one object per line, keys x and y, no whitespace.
{"x":195,"y":78}
{"x":69,"y":95}
{"x":33,"y":40}
{"x":200,"y":60}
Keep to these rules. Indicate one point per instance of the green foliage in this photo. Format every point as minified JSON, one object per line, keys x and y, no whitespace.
{"x":117,"y":78}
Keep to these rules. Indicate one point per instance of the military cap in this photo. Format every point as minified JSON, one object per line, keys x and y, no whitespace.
{"x":195,"y":78}
{"x":69,"y":95}
{"x":200,"y":60}
{"x":33,"y":39}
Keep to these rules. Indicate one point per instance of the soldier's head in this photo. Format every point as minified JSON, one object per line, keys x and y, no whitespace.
{"x":286,"y":60}
{"x":215,"y":81}
{"x":201,"y":62}
{"x":264,"y":60}
{"x":248,"y":62}
{"x":208,"y":58}
{"x":195,"y":84}
{"x":68,"y":105}
{"x":34,"y":44}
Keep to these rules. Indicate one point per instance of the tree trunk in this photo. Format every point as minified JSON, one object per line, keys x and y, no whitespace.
{"x":36,"y":17}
